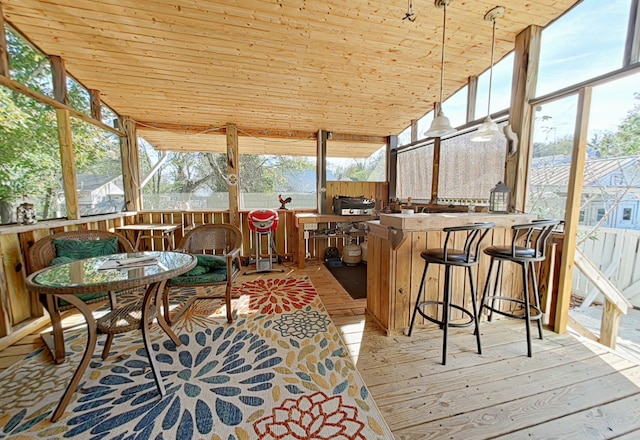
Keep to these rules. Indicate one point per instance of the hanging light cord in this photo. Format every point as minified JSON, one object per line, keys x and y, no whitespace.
{"x":409,"y":15}
{"x":493,"y":45}
{"x":444,"y":30}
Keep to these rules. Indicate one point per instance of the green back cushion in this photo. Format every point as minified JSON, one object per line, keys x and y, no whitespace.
{"x":61,"y":260}
{"x":79,"y":249}
{"x":71,"y":250}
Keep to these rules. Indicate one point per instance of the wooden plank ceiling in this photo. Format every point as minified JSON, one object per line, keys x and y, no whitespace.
{"x":185,"y":68}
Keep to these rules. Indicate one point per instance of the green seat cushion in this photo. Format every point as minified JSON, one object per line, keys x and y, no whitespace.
{"x":79,"y":249}
{"x":213,"y":276}
{"x":198,"y":270}
{"x":212,"y":261}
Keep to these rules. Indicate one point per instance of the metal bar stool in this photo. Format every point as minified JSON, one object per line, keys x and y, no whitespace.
{"x":466,"y":257}
{"x":532,"y":247}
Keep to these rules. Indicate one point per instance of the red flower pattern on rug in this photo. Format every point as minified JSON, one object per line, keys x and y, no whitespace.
{"x":277,"y":295}
{"x":316,"y":416}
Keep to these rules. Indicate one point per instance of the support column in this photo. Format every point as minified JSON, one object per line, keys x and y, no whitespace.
{"x":59,"y":80}
{"x":96,"y":104}
{"x":572,"y":214}
{"x":435,"y":177}
{"x":130,"y":164}
{"x":321,"y":171}
{"x":233,"y":171}
{"x":472,"y":98}
{"x":525,"y":78}
{"x":414,"y":130}
{"x":392,"y":168}
{"x":632,"y":48}
{"x":67,"y":159}
{"x":4,"y":52}
{"x":65,"y":138}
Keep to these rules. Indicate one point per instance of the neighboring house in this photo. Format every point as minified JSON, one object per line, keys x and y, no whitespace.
{"x":99,"y":194}
{"x":610,"y":194}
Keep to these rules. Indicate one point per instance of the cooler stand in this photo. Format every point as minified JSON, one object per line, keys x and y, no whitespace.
{"x":263,"y":222}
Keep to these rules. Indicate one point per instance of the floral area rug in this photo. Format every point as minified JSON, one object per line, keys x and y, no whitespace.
{"x":280,"y":371}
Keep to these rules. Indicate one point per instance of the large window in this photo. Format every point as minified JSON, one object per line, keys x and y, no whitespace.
{"x":78,"y":96}
{"x":500,"y":88}
{"x":415,"y":168}
{"x":30,"y":169}
{"x":356,"y":162}
{"x":611,"y":190}
{"x":98,"y":170}
{"x":586,"y":42}
{"x":183,"y":181}
{"x":455,"y":108}
{"x":553,"y":133}
{"x":27,"y":65}
{"x":468,"y":171}
{"x":264,"y":178}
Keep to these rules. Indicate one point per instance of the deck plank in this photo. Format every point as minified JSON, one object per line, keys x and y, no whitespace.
{"x":601,"y":422}
{"x":505,"y":417}
{"x":571,"y":388}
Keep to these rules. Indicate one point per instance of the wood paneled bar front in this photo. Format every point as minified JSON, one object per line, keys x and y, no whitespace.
{"x":395,"y":267}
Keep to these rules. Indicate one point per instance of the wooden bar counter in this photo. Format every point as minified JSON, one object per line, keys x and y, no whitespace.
{"x":395,"y":267}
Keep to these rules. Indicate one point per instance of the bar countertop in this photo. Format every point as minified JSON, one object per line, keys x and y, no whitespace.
{"x":431,"y":221}
{"x":395,"y":227}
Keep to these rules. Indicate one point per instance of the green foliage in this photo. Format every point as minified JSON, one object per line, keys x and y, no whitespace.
{"x":30,"y":164}
{"x":625,"y":140}
{"x":363,"y":169}
{"x":28,"y":146}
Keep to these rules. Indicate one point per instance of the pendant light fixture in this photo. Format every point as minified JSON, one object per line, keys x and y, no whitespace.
{"x":440,"y":125}
{"x":489,"y":130}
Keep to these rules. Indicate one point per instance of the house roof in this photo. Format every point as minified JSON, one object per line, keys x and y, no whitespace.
{"x":555,"y":171}
{"x":278,"y":70}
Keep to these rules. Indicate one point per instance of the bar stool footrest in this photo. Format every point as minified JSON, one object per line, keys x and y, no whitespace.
{"x":440,"y":322}
{"x":537,"y":316}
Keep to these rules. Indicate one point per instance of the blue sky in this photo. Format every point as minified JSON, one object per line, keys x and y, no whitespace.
{"x":587,"y":42}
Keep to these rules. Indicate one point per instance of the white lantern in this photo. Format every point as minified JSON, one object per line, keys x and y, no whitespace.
{"x":499,"y":199}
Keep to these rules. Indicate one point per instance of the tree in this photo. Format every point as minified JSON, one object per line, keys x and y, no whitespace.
{"x":30,"y":165}
{"x":625,"y":140}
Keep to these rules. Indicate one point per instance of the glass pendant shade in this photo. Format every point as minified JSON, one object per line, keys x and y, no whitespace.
{"x":488,"y":131}
{"x":440,"y":126}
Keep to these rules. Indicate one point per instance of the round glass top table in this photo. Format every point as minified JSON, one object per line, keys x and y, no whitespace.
{"x":112,"y":273}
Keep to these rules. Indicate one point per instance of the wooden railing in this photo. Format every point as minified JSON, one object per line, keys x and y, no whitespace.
{"x":615,"y":304}
{"x":616,"y":253}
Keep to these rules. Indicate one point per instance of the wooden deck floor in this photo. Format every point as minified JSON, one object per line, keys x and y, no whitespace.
{"x":570,"y":389}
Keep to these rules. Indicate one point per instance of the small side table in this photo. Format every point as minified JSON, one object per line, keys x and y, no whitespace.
{"x":85,"y":276}
{"x":146,"y":231}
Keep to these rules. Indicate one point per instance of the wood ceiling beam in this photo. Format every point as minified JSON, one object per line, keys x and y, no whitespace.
{"x":260,"y":133}
{"x":4,"y":53}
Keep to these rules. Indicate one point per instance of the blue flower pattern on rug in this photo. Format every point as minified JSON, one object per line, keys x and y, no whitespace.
{"x":233,"y":374}
{"x":220,"y":381}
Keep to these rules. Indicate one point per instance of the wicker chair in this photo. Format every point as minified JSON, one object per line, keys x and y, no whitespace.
{"x":41,"y":254}
{"x":211,"y":239}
